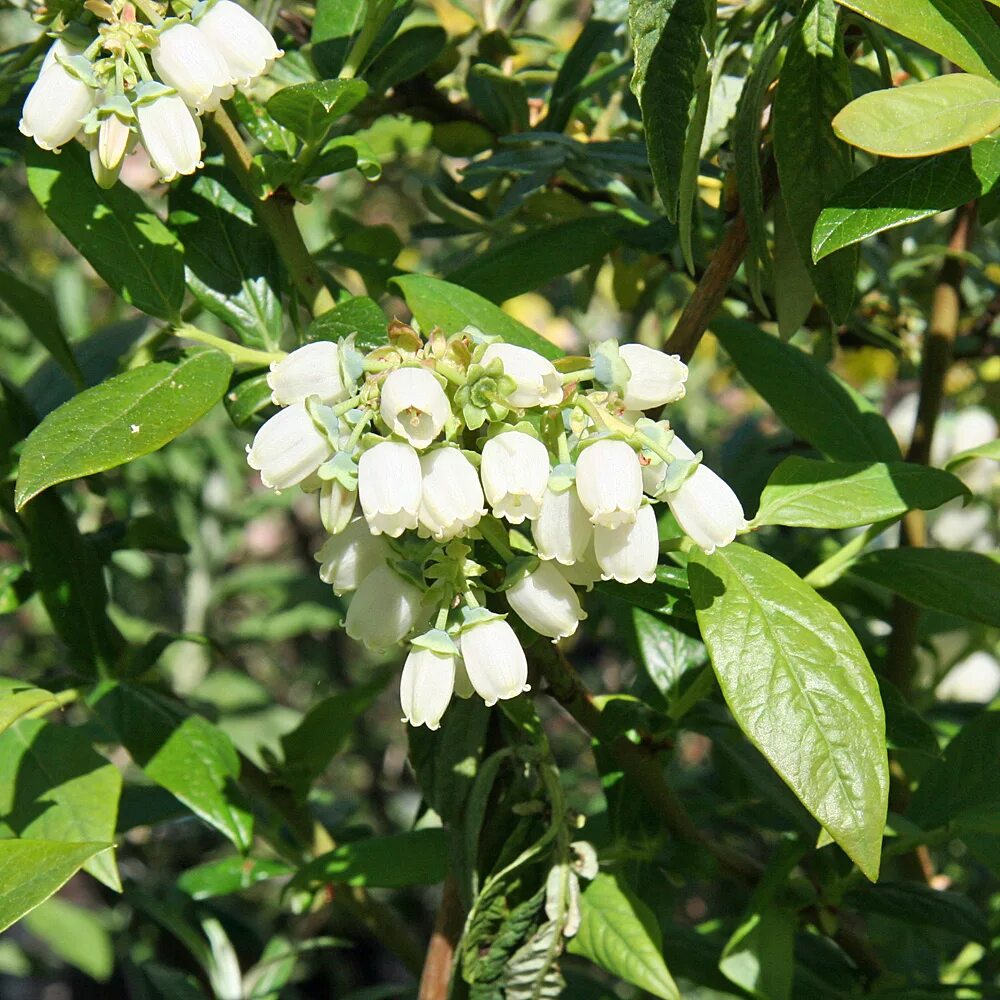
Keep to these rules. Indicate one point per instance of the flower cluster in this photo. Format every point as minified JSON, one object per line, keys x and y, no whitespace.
{"x":453,"y":468}
{"x":145,"y":78}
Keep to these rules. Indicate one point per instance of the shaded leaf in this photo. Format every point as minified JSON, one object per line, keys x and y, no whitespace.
{"x":759,"y":957}
{"x":230,"y":875}
{"x":359,"y":315}
{"x":914,"y":904}
{"x":77,"y":935}
{"x":309,"y":109}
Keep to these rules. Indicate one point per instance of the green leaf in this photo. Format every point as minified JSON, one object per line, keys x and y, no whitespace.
{"x":32,"y":870}
{"x":798,"y":684}
{"x":419,"y":857}
{"x":596,"y":38}
{"x":55,"y":786}
{"x":666,"y":36}
{"x":906,"y":728}
{"x":919,"y":905}
{"x":359,"y":315}
{"x":806,"y":493}
{"x":896,"y":192}
{"x":501,"y":99}
{"x":185,"y":754}
{"x":434,"y":302}
{"x":759,"y":957}
{"x":125,"y":242}
{"x":989,"y":450}
{"x":619,"y":933}
{"x":919,"y":119}
{"x":960,"y":30}
{"x":966,"y":584}
{"x":248,"y":395}
{"x":813,"y":402}
{"x":16,"y":703}
{"x":666,"y":652}
{"x":333,"y":25}
{"x":309,"y":109}
{"x":229,"y":876}
{"x":794,"y":293}
{"x":76,"y":935}
{"x":119,"y":420}
{"x":814,"y":85}
{"x":41,"y":318}
{"x":232,"y":266}
{"x":530,"y":260}
{"x":405,"y":57}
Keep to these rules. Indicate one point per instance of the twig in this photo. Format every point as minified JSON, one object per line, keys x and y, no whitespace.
{"x":436,"y":977}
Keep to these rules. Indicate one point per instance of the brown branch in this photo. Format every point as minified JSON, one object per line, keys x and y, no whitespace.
{"x":436,"y":978}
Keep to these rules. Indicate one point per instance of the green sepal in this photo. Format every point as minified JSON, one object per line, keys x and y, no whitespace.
{"x":476,"y":616}
{"x":352,"y":361}
{"x":562,"y":477}
{"x":437,"y":641}
{"x":517,"y":569}
{"x":610,"y":369}
{"x":341,"y":468}
{"x":678,"y":473}
{"x":325,"y":418}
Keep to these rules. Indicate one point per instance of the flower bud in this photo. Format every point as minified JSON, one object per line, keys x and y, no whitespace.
{"x":348,"y":558}
{"x":562,"y":530}
{"x":185,"y":59}
{"x":169,"y":132}
{"x":383,"y":610}
{"x":705,"y":506}
{"x":389,"y":487}
{"x":56,"y":104}
{"x":426,"y":687}
{"x":451,"y":497}
{"x":414,"y":406}
{"x":656,"y":378}
{"x":311,"y":370}
{"x":243,"y":43}
{"x":336,"y":505}
{"x":515,"y":473}
{"x":538,"y":383}
{"x":494,"y":659}
{"x":545,"y":601}
{"x":288,"y":448}
{"x":609,"y":483}
{"x":112,"y":142}
{"x":629,"y":552}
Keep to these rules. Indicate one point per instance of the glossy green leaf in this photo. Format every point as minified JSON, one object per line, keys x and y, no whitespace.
{"x":16,"y":703}
{"x":309,"y":109}
{"x":960,"y":30}
{"x":896,"y":192}
{"x":232,"y":265}
{"x":55,"y":786}
{"x":799,"y":685}
{"x":125,"y":242}
{"x":813,"y":402}
{"x":230,"y":875}
{"x":966,"y":584}
{"x":666,"y":652}
{"x":619,"y":933}
{"x":418,"y":857}
{"x":666,"y":36}
{"x":76,"y":934}
{"x":119,"y":420}
{"x":185,"y":754}
{"x":334,"y":23}
{"x":814,"y":85}
{"x":32,"y":870}
{"x":360,"y":316}
{"x":990,"y":450}
{"x":530,"y":260}
{"x":912,"y":903}
{"x":434,"y":302}
{"x":920,"y":119}
{"x":759,"y":957}
{"x":247,"y":396}
{"x":806,"y":493}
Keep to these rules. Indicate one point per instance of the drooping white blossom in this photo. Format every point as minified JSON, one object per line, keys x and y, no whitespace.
{"x":384,"y":610}
{"x":389,"y":487}
{"x":288,"y":448}
{"x":426,"y":686}
{"x":494,"y":659}
{"x":348,"y":558}
{"x":451,"y":496}
{"x":246,"y":47}
{"x":310,"y":370}
{"x":656,"y":378}
{"x":186,"y":59}
{"x":629,"y":552}
{"x":585,"y":572}
{"x":562,"y":530}
{"x":414,"y":406}
{"x":57,"y":102}
{"x":515,"y":474}
{"x":169,"y":131}
{"x":609,"y":482}
{"x":545,"y":602}
{"x":537,"y":381}
{"x":336,"y":505}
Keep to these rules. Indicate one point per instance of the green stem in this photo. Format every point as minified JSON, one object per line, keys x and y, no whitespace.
{"x":276,"y":215}
{"x":152,"y":14}
{"x":59,"y":700}
{"x":138,"y":60}
{"x":582,"y":374}
{"x":358,"y":430}
{"x":832,"y":569}
{"x":450,"y":372}
{"x":601,"y":416}
{"x":346,"y":406}
{"x":240,"y":355}
{"x":378,"y":11}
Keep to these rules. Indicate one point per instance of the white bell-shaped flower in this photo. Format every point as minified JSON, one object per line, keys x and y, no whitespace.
{"x":515,"y":474}
{"x":288,"y":448}
{"x":629,"y":552}
{"x":656,"y":378}
{"x":451,"y":498}
{"x":168,"y":131}
{"x":348,"y":558}
{"x":310,"y":370}
{"x":494,"y":659}
{"x":609,"y":483}
{"x":538,"y":383}
{"x":562,"y":530}
{"x":389,"y":487}
{"x":544,"y":601}
{"x":426,"y":686}
{"x":414,"y":406}
{"x":384,"y":609}
{"x":585,"y":572}
{"x":245,"y":45}
{"x":706,"y":508}
{"x":57,"y":102}
{"x":186,"y":59}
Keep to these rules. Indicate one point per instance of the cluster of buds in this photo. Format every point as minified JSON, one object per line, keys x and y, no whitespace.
{"x":453,"y":468}
{"x":146,"y":77}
